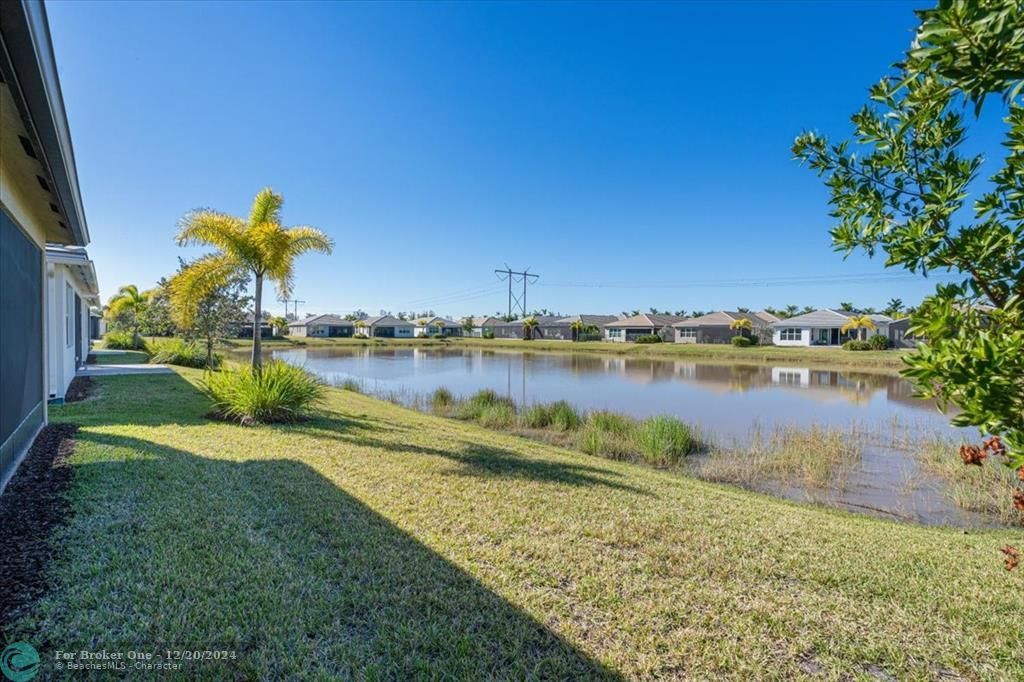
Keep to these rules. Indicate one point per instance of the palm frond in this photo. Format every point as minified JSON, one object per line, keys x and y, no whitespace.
{"x":304,"y":238}
{"x":198,"y":280}
{"x":266,"y":208}
{"x":212,"y":228}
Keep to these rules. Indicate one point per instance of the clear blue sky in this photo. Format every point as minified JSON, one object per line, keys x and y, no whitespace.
{"x":603,"y":143}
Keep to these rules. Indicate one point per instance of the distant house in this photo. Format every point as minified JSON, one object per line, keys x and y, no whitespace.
{"x":823,"y":328}
{"x":900,"y":336}
{"x":562,"y":328}
{"x":242,"y":329}
{"x":71,"y":289}
{"x":548,"y":326}
{"x":484,"y":326}
{"x":508,"y":330}
{"x":322,"y":326}
{"x":388,"y":327}
{"x":645,"y":324}
{"x":428,"y":326}
{"x":717,"y":327}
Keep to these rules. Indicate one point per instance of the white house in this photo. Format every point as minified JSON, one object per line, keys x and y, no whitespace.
{"x":428,"y":326}
{"x":822,"y":328}
{"x":40,"y":204}
{"x":322,"y":326}
{"x":71,"y":288}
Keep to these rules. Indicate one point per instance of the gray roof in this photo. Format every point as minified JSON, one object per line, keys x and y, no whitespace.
{"x":485,"y":320}
{"x":826,"y":317}
{"x":76,"y":257}
{"x":386,"y":321}
{"x":720,"y":318}
{"x":589,"y":320}
{"x":646,"y":320}
{"x":432,"y":322}
{"x":331,"y":320}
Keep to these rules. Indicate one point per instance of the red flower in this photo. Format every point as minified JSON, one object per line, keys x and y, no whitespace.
{"x":994,"y":445}
{"x":1018,"y":500}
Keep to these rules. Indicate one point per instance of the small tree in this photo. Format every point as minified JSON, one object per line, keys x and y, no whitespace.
{"x":894,"y":307}
{"x":902,"y":190}
{"x":467,"y":325}
{"x":577,"y":327}
{"x":155,"y":318}
{"x":280,"y":325}
{"x":742,"y":325}
{"x":440,"y":326}
{"x":861,"y":323}
{"x":125,"y":309}
{"x":216,"y":314}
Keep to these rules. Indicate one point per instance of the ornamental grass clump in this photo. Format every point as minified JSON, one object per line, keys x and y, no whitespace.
{"x":474,"y":407}
{"x":278,"y":393}
{"x":441,"y":400}
{"x":664,"y":440}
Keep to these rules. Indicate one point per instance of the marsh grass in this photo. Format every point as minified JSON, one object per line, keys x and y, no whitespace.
{"x":350,"y":385}
{"x":987,"y":489}
{"x":441,"y":400}
{"x":183,"y":354}
{"x":815,"y":457}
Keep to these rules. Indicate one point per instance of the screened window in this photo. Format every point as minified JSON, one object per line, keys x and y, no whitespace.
{"x":687,"y":332}
{"x":614,"y":333}
{"x":790,"y":334}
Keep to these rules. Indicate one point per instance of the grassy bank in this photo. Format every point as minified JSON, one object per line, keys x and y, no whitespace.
{"x":833,"y":357}
{"x":377,"y":542}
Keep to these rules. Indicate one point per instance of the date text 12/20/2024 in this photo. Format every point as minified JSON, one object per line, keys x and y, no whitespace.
{"x":167,"y":659}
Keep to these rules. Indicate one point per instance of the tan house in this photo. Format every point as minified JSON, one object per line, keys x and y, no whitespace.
{"x":717,"y":327}
{"x":645,"y":324}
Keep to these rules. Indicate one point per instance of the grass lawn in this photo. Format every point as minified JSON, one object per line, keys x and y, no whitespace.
{"x":833,"y":357}
{"x":121,"y":357}
{"x":380,"y":543}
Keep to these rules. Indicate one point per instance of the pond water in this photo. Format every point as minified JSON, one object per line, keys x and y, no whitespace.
{"x":728,"y":402}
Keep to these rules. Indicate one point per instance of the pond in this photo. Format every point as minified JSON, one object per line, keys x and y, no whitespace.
{"x":728,"y":402}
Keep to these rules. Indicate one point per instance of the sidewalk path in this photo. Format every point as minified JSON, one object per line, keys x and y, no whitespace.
{"x":113,"y":370}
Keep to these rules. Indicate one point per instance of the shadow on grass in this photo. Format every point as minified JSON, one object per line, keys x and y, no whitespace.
{"x":272,"y":560}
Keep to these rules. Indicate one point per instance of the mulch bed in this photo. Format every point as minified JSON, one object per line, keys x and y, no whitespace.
{"x":80,"y":389}
{"x":31,"y":506}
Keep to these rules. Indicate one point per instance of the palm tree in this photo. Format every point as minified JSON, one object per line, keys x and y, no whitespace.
{"x":577,"y":328}
{"x":846,"y":307}
{"x":279,"y":324}
{"x":743,"y":325}
{"x":895,"y":307}
{"x":791,"y":310}
{"x":440,"y":326}
{"x":260,"y":246}
{"x":360,"y":327}
{"x":860,"y":322}
{"x":128,"y":304}
{"x":530,"y":324}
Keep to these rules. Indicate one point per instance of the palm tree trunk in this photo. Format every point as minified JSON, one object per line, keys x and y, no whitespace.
{"x":257,"y":305}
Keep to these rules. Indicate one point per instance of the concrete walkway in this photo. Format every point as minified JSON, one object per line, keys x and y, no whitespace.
{"x":114,"y":370}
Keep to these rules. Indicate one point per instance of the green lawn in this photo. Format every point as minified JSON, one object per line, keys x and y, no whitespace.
{"x":121,"y":357}
{"x":381,"y":543}
{"x":834,"y":357}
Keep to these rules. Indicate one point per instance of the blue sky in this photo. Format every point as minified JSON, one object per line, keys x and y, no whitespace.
{"x":617,"y":146}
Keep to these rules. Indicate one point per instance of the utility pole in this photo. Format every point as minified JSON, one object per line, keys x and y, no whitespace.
{"x":513,"y":277}
{"x":296,"y":301}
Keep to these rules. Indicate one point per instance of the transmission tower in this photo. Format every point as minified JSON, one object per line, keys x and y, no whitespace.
{"x":512,"y":277}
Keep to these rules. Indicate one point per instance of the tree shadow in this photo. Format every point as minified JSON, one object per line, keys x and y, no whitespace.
{"x":272,"y":560}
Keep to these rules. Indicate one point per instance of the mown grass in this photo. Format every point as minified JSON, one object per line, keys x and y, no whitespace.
{"x":121,"y":357}
{"x":376,"y":542}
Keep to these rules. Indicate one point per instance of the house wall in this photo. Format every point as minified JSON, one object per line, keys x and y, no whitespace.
{"x":805,"y":337}
{"x":64,"y":351}
{"x":628,"y":334}
{"x":555,"y":332}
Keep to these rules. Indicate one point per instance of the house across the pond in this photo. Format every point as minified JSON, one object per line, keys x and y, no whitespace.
{"x":718,"y":327}
{"x":824,"y":328}
{"x":645,"y":324}
{"x":429,"y":326}
{"x":387,"y":327}
{"x":322,"y":326}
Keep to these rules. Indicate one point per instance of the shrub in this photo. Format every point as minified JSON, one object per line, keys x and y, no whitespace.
{"x":664,"y":440}
{"x":879,"y":342}
{"x":421,"y":335}
{"x":589,"y":336}
{"x":278,"y":393}
{"x":648,"y":338}
{"x":183,"y":353}
{"x":741,"y":341}
{"x":360,"y":336}
{"x":441,"y":399}
{"x":124,"y":341}
{"x":856,"y":344}
{"x":594,"y":441}
{"x":487,"y":334}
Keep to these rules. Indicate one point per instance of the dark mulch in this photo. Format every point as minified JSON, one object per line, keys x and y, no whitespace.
{"x":80,"y":389}
{"x":31,"y":506}
{"x":90,"y":359}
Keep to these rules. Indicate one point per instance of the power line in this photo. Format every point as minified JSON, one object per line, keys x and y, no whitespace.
{"x":816,"y":280}
{"x":512,"y":277}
